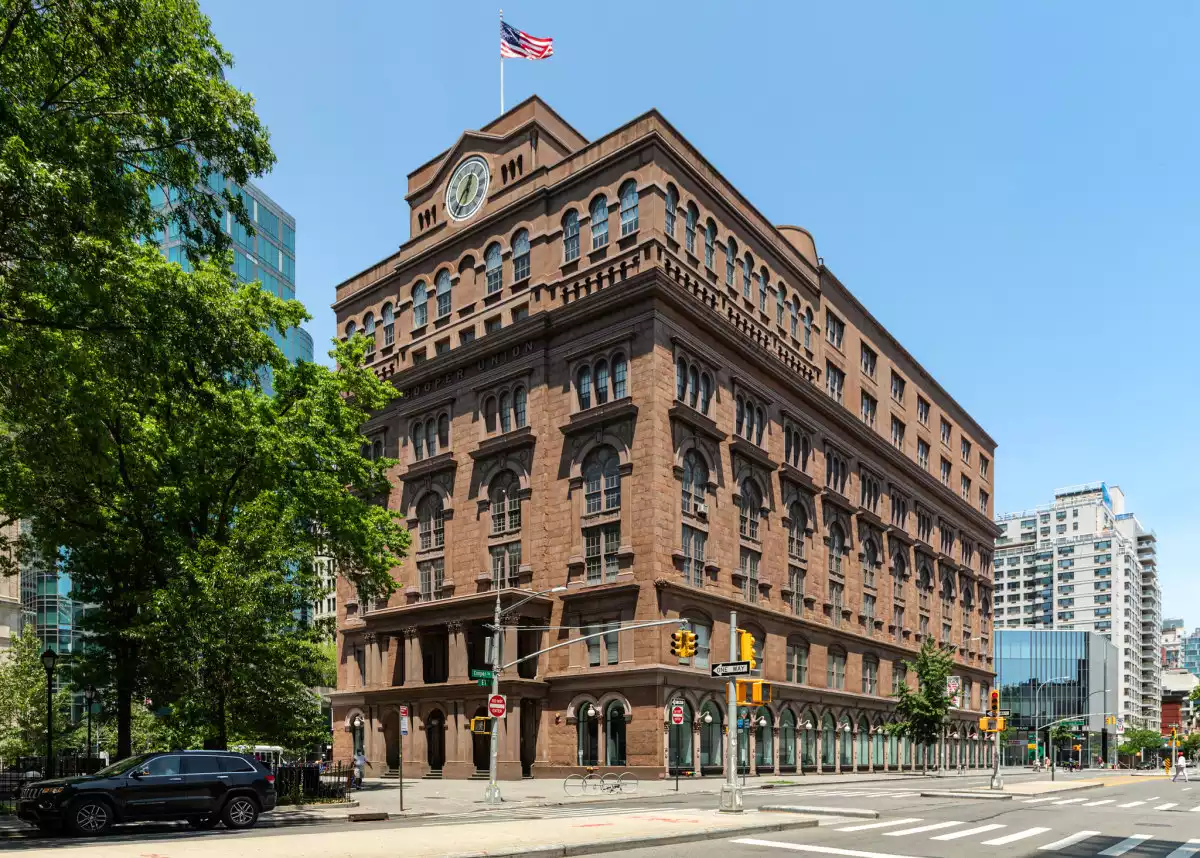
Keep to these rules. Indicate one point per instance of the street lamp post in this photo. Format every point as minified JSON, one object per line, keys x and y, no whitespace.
{"x":491,"y":795}
{"x":49,"y":657}
{"x":89,"y":694}
{"x":1037,"y":716}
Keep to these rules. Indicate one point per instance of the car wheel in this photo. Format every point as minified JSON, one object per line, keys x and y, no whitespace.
{"x":204,"y":823}
{"x":240,"y":812}
{"x":90,"y":816}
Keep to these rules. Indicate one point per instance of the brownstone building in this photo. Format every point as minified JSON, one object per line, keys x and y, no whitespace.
{"x":619,"y":378}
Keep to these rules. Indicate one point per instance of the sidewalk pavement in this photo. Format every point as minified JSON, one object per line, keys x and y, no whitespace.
{"x":551,"y":837}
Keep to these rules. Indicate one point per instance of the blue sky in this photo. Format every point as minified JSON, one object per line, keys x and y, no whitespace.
{"x":1012,"y":188}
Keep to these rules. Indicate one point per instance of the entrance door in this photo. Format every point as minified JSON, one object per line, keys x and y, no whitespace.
{"x":391,"y":738}
{"x":529,"y":731}
{"x":481,"y":745}
{"x":435,"y":739}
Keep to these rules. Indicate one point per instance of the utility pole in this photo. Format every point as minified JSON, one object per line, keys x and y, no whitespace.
{"x":731,"y":793}
{"x":491,"y":795}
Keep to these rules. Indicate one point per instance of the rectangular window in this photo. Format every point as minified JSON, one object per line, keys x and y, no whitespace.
{"x":983,"y":501}
{"x":600,"y":230}
{"x":870,"y":676}
{"x":797,"y":663}
{"x":965,"y":486}
{"x":984,"y":464}
{"x":467,"y":336}
{"x":749,"y":567}
{"x":506,"y":565}
{"x":520,"y":313}
{"x":897,"y":434}
{"x":945,"y":472}
{"x":924,"y":627}
{"x":966,"y":451}
{"x":898,"y":386}
{"x":432,"y":574}
{"x":868,"y":361}
{"x":835,"y":329}
{"x":868,"y":410}
{"x":835,"y":673}
{"x":923,"y":453}
{"x":419,"y":357}
{"x":570,"y":239}
{"x":289,"y":237}
{"x":492,"y":325}
{"x":694,"y":542}
{"x":869,"y":612}
{"x":836,"y":593}
{"x":899,"y":677}
{"x":946,"y":432}
{"x":898,"y":621}
{"x":796,"y":582}
{"x":835,"y":381}
{"x":442,"y":347}
{"x":600,"y":552}
{"x":922,"y":411}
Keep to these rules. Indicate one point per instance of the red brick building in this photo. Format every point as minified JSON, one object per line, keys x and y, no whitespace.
{"x":620,"y":378}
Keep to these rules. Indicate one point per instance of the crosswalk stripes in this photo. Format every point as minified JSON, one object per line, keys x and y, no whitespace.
{"x":536,"y":813}
{"x":955,"y":835}
{"x":1129,"y":843}
{"x":891,"y":823}
{"x":1077,"y":837}
{"x":1131,"y":804}
{"x":1013,"y":838}
{"x":1167,"y":806}
{"x":1189,"y":848}
{"x":933,"y":826}
{"x":1100,"y":802}
{"x":1070,"y":800}
{"x":1039,"y":800}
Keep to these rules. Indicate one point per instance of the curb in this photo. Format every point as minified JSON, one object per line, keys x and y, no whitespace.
{"x":338,"y":805}
{"x":993,"y":796}
{"x":622,"y":843}
{"x":854,"y":812}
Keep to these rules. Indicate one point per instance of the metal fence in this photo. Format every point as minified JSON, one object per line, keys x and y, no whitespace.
{"x":303,"y":783}
{"x":16,"y":772}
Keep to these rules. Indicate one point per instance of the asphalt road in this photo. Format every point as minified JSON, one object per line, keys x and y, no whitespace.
{"x":1142,"y":818}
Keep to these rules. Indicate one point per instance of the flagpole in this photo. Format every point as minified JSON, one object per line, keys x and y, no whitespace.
{"x":502,"y":70}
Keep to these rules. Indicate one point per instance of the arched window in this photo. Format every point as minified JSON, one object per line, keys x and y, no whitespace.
{"x":808,"y":727}
{"x":747,"y":273}
{"x":787,"y":741}
{"x":710,"y":241}
{"x":693,"y":386}
{"x":828,"y":740}
{"x":741,"y":415}
{"x":681,"y":373}
{"x":847,"y":748}
{"x":837,"y":548}
{"x":629,"y":207}
{"x":679,"y":744}
{"x":759,"y":424}
{"x":602,"y":480}
{"x":431,"y":437}
{"x":864,"y":742}
{"x":505,"y":413}
{"x":520,"y":249}
{"x":583,"y":387}
{"x":672,"y":204}
{"x":389,"y":324}
{"x":570,"y":226}
{"x":601,"y":371}
{"x":749,"y":510}
{"x":795,"y":318}
{"x":870,"y":554}
{"x":587,"y":735}
{"x":431,"y":521}
{"x":712,"y":738}
{"x":705,"y":392}
{"x":731,"y":250}
{"x":925,"y":577}
{"x":781,"y":302}
{"x":764,"y":742}
{"x":418,"y":441}
{"x":797,"y":530}
{"x":599,"y":212}
{"x":764,"y":284}
{"x":835,"y":669}
{"x":443,"y":430}
{"x":494,"y":263}
{"x":614,"y":734}
{"x":376,"y":451}
{"x":619,"y":376}
{"x":420,"y":305}
{"x":505,"y":503}
{"x":808,"y":322}
{"x":489,"y":414}
{"x":947,"y":586}
{"x":695,"y":480}
{"x":689,"y":227}
{"x":351,"y":329}
{"x":519,"y":408}
{"x":443,"y":294}
{"x":369,"y":330}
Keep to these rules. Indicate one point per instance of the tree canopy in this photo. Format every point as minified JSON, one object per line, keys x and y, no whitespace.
{"x":921,"y":712}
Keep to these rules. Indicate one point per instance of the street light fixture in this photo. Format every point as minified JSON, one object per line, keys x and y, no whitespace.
{"x":89,"y":694}
{"x":49,"y":657}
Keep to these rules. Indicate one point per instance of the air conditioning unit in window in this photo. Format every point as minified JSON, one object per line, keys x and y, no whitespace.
{"x":701,"y":509}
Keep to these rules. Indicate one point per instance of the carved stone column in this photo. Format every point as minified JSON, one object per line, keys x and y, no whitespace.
{"x":457,"y":643}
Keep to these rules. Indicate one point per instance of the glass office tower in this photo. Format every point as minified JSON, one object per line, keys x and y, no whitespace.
{"x":1045,"y":676}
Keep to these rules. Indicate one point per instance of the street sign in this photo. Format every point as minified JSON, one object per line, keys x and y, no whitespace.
{"x":676,"y":715}
{"x":483,"y":683}
{"x":731,"y":668}
{"x":678,"y":701}
{"x":497,"y":706}
{"x":403,"y":720}
{"x":477,"y":673}
{"x":1004,"y":712}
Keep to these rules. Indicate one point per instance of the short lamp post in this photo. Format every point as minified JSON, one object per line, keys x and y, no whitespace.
{"x":49,"y":657}
{"x":89,"y":695}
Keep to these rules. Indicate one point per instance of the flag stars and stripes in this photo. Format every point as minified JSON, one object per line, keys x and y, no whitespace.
{"x":517,"y":44}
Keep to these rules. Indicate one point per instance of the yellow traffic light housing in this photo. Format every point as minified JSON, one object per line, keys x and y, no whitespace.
{"x":746,"y":648}
{"x":760,"y":692}
{"x":689,"y":644}
{"x":678,"y":647}
{"x":481,"y":725}
{"x":994,"y":702}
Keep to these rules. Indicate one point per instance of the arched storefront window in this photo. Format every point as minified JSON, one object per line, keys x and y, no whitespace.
{"x":587,"y":735}
{"x":711,"y":738}
{"x":808,"y":739}
{"x":847,"y":744}
{"x":357,"y":728}
{"x":764,"y":739}
{"x":614,"y":734}
{"x":828,"y":739}
{"x":877,"y":749}
{"x":787,"y":741}
{"x":864,"y":743}
{"x":679,"y":742}
{"x":893,"y":750}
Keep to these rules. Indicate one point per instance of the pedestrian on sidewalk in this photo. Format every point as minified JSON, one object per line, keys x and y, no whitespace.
{"x":1180,"y":766}
{"x":360,"y":767}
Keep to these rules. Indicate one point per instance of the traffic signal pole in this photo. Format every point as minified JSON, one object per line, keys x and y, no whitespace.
{"x":731,"y":793}
{"x":997,"y":781}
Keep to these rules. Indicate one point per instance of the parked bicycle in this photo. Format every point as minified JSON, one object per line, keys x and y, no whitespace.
{"x":609,"y":782}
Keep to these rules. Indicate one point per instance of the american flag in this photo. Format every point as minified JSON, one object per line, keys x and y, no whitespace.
{"x":516,"y":44}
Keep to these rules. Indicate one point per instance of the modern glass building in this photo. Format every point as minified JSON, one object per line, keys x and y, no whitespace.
{"x":1045,"y":675}
{"x":269,"y":256}
{"x":48,"y":606}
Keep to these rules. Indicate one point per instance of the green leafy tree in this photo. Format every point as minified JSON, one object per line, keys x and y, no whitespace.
{"x":1136,"y":741}
{"x":1190,"y":745}
{"x":23,"y":701}
{"x":921,"y":713}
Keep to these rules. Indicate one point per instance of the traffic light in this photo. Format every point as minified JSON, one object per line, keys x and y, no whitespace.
{"x":689,"y":643}
{"x":760,"y":692}
{"x":678,"y":647}
{"x":994,"y":702}
{"x":746,"y":648}
{"x":481,"y":725}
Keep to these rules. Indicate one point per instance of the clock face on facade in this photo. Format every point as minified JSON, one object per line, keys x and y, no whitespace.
{"x":468,"y":188}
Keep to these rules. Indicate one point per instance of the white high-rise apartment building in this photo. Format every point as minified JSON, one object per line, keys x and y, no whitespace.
{"x":1083,"y":563}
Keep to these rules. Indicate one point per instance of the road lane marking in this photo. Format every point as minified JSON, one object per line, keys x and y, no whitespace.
{"x":1013,"y":838}
{"x":1131,"y":842}
{"x":1154,"y":798}
{"x":1077,"y":837}
{"x":1196,"y":809}
{"x":1098,"y":803}
{"x":1070,"y":800}
{"x":932,"y":827}
{"x":1167,"y":806}
{"x":1132,"y":803}
{"x":954,"y":835}
{"x":1191,"y":847}
{"x":808,"y":847}
{"x":1039,"y":800}
{"x":889,"y":824}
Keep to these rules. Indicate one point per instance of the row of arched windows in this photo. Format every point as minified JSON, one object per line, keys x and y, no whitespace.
{"x":505,"y":411}
{"x":693,"y":385}
{"x":601,"y":381}
{"x":430,"y":436}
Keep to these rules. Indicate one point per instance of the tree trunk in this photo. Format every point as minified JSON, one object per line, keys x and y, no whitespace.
{"x":222,"y":734}
{"x":124,"y":715}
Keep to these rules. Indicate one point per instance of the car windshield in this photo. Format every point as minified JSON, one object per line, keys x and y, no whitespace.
{"x":122,"y":766}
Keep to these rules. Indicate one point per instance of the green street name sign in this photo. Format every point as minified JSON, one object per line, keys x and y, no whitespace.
{"x":478,"y":673}
{"x":483,"y":683}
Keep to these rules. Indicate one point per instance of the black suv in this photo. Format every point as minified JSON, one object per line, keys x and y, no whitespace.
{"x":202,"y":787}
